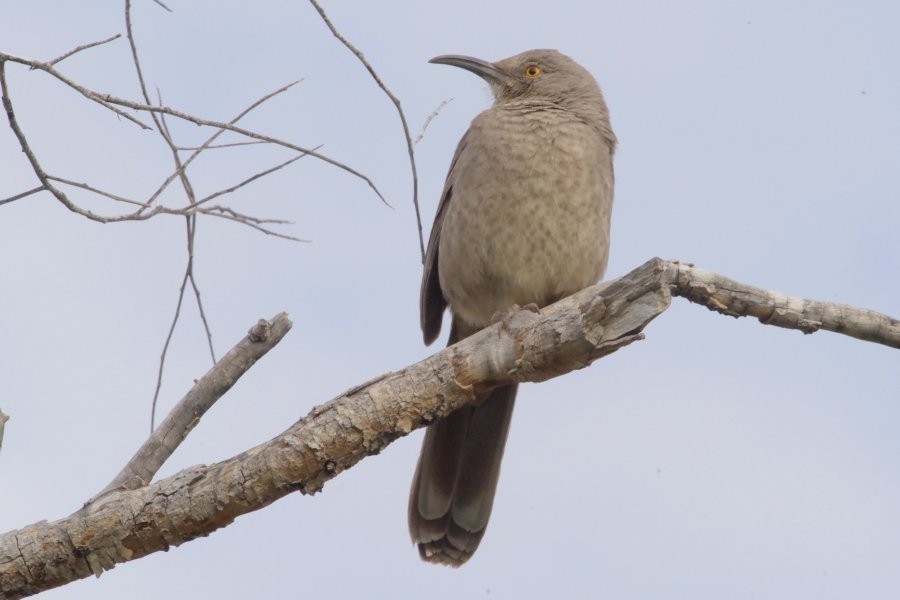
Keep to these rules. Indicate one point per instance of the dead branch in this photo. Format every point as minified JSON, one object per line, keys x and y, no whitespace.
{"x":163,"y":441}
{"x":735,"y":299}
{"x":125,"y":525}
{"x":571,"y":334}
{"x":93,"y":190}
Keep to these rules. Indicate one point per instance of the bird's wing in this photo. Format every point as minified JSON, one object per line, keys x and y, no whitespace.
{"x":431,"y":299}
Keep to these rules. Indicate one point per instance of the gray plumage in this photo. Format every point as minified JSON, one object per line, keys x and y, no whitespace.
{"x":524,"y":219}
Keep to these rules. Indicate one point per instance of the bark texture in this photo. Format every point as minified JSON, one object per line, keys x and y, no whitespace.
{"x":124,"y":525}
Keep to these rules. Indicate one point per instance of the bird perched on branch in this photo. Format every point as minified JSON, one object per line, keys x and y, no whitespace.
{"x":524,"y":219}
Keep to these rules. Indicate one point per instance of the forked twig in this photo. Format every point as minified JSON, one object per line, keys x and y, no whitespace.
{"x":196,"y":152}
{"x":112,"y":102}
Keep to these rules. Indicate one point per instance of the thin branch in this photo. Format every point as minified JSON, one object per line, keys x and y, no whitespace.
{"x":202,"y":311}
{"x":46,"y":179}
{"x":430,"y":118}
{"x":735,"y":299}
{"x":246,"y":133}
{"x":26,"y":148}
{"x":217,"y":146}
{"x":159,"y":2}
{"x":159,"y":120}
{"x":97,"y":191}
{"x":250,"y":179}
{"x":191,"y":236}
{"x":35,"y":165}
{"x":103,"y":100}
{"x":396,"y":101}
{"x":225,"y":212}
{"x":134,"y":54}
{"x":157,"y":449}
{"x":40,"y":188}
{"x":82,"y":47}
{"x":165,"y":351}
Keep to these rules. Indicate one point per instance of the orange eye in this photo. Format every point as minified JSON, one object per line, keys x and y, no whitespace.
{"x":532,"y":71}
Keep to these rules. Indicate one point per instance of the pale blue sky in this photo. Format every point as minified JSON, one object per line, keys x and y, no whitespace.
{"x":716,"y":459}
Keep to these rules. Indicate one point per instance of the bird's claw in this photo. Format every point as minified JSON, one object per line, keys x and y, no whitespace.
{"x":505,"y":315}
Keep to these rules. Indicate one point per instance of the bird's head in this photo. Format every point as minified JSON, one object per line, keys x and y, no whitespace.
{"x":542,"y":75}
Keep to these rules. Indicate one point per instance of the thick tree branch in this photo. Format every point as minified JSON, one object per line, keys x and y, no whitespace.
{"x":127,"y":525}
{"x":571,"y":334}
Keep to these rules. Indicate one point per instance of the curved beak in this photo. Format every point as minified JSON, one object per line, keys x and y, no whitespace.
{"x":488,"y":71}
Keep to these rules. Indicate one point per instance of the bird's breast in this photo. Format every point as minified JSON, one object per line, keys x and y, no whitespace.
{"x":528,"y":220}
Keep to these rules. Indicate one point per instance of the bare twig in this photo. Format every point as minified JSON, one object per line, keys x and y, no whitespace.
{"x":162,"y":442}
{"x":29,"y":154}
{"x":82,"y":47}
{"x":202,"y":311}
{"x":225,"y":212}
{"x":384,"y":88}
{"x":61,"y":196}
{"x":159,"y":2}
{"x":97,"y":191}
{"x":250,"y":179}
{"x":430,"y":118}
{"x":165,"y":349}
{"x":39,"y":188}
{"x":216,"y":146}
{"x":26,"y":148}
{"x":157,"y":119}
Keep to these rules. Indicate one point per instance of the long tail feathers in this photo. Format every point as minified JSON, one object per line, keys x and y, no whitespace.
{"x":456,"y":479}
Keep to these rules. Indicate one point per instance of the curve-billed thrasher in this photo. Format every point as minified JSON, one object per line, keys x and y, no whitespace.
{"x":524,"y":219}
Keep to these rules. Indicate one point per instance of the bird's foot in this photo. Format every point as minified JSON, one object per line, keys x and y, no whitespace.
{"x":505,"y":315}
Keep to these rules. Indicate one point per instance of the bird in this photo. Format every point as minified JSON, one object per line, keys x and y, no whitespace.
{"x":523,"y":220}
